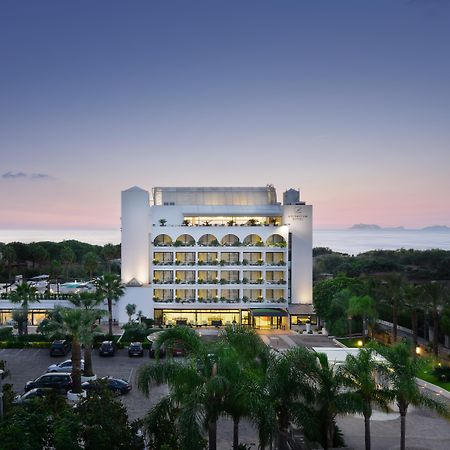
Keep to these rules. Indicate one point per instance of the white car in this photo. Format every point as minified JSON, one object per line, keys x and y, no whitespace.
{"x":65,"y":366}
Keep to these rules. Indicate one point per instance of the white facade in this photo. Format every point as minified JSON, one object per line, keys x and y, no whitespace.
{"x":215,"y":249}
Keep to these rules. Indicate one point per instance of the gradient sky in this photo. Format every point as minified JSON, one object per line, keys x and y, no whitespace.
{"x":348,"y":100}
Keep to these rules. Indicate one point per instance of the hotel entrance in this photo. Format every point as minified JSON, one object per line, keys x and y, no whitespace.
{"x":269,"y":318}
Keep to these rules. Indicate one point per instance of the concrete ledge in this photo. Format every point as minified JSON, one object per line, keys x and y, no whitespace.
{"x":432,"y":387}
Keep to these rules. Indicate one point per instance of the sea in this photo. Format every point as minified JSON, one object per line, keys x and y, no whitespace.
{"x":343,"y":240}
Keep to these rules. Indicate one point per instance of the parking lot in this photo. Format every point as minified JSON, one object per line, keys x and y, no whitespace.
{"x":27,"y":364}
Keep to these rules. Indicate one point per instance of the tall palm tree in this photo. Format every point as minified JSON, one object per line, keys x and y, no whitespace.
{"x":330,"y":400}
{"x":196,"y":387}
{"x":110,"y":288}
{"x":109,"y":252}
{"x":77,"y":323}
{"x":243,"y":355}
{"x":90,"y":302}
{"x":67,"y":257}
{"x":394,"y":295}
{"x":280,"y":395}
{"x":403,"y":370}
{"x":437,"y":297}
{"x":361,"y":374}
{"x":362,"y":306}
{"x":414,"y":302}
{"x":24,"y":294}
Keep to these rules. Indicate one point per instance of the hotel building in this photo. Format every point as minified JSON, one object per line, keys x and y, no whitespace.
{"x":217,"y":255}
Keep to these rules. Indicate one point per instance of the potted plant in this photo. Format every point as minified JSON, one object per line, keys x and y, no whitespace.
{"x":186,"y":222}
{"x":156,"y":261}
{"x":162,"y":222}
{"x":244,"y":262}
{"x":244,"y":280}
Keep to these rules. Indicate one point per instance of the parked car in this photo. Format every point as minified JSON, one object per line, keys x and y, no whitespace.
{"x":65,"y":366}
{"x":107,"y":348}
{"x":62,"y":382}
{"x":135,"y":349}
{"x":30,"y":395}
{"x":116,"y":385}
{"x":60,"y":348}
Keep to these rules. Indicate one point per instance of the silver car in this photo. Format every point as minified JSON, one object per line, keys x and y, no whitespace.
{"x":65,"y":366}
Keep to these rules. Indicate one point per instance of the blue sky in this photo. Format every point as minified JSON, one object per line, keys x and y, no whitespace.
{"x":349,"y":100}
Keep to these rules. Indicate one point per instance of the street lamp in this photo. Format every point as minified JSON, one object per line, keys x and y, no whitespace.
{"x":360,"y":343}
{"x":418,"y":350}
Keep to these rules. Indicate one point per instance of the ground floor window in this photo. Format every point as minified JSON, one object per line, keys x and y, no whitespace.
{"x":303,"y":319}
{"x":35,"y":316}
{"x":262,"y":319}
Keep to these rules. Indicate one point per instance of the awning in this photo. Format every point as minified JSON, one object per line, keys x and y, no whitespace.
{"x":268,"y":312}
{"x":300,"y":309}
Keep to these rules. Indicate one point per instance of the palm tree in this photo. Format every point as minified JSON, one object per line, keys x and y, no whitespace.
{"x":437,"y":296}
{"x":330,"y":399}
{"x":282,"y":394}
{"x":394,"y":295}
{"x":90,"y":263}
{"x":414,"y":302}
{"x":363,"y":306}
{"x":361,"y":373}
{"x":9,"y":256}
{"x":403,"y":370}
{"x":75,"y":322}
{"x":24,"y":294}
{"x":243,"y":353}
{"x":110,"y":288}
{"x":109,"y":252}
{"x":89,"y":302}
{"x":67,"y":256}
{"x":196,"y":387}
{"x":131,"y":309}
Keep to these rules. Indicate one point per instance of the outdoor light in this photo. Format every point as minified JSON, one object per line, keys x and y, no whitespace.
{"x":418,"y":350}
{"x":360,"y":343}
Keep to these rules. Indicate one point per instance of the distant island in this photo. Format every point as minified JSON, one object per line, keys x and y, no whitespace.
{"x":374,"y":227}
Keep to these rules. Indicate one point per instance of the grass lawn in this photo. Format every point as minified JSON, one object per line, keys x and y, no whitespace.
{"x":426,"y":375}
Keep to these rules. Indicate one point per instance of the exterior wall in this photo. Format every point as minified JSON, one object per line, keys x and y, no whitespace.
{"x":140,"y":296}
{"x":135,"y":235}
{"x":299,"y":220}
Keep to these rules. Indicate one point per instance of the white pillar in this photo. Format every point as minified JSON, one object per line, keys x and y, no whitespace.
{"x":299,"y":219}
{"x":135,"y":235}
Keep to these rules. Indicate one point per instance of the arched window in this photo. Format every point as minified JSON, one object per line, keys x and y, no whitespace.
{"x":230,"y":240}
{"x":208,"y":240}
{"x":162,"y":240}
{"x":276,"y":240}
{"x":184,"y":239}
{"x":253,"y":240}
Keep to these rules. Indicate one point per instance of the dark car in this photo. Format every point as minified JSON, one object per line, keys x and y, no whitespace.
{"x":31,"y":394}
{"x":60,"y":348}
{"x":116,"y":385}
{"x":135,"y":349}
{"x":107,"y":348}
{"x":62,"y":382}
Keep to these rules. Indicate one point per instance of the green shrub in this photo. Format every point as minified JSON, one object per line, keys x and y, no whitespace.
{"x":6,"y":333}
{"x":40,"y":344}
